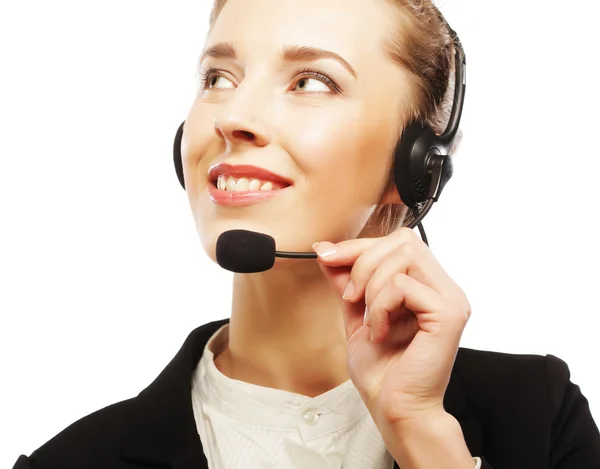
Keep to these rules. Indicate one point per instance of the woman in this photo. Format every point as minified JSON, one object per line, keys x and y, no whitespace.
{"x":352,"y":361}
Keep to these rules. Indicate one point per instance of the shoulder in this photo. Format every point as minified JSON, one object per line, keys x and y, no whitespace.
{"x":529,"y":401}
{"x":90,"y":442}
{"x":498,"y":384}
{"x":506,"y":373}
{"x":95,"y":440}
{"x":488,"y":367}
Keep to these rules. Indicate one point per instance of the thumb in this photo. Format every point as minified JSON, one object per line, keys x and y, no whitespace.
{"x":353,"y":312}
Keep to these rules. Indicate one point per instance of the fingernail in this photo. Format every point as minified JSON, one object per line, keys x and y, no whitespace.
{"x":349,"y":291}
{"x":366,"y":316}
{"x":323,"y":250}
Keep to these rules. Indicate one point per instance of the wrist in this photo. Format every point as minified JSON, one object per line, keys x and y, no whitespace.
{"x":436,"y":440}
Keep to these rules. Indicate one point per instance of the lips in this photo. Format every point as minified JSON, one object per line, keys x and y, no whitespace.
{"x":240,"y":185}
{"x":247,"y":171}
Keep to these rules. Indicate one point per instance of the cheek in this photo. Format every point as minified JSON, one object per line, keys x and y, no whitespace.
{"x":343,"y":151}
{"x":199,"y":140}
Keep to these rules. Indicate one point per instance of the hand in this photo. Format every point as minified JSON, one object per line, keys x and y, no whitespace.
{"x":401,"y":358}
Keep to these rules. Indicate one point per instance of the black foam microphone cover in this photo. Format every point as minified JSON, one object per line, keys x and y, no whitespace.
{"x":245,"y":251}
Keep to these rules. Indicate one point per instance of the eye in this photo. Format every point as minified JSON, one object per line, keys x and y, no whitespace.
{"x":314,"y":81}
{"x":311,"y":84}
{"x":216,"y":80}
{"x":212,"y":80}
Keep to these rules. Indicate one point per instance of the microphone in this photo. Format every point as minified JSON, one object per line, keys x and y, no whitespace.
{"x":247,"y":252}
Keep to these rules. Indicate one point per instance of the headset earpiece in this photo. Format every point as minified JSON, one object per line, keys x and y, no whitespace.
{"x":410,"y":175}
{"x":422,"y":161}
{"x":413,"y":162}
{"x":177,"y":155}
{"x":418,"y":152}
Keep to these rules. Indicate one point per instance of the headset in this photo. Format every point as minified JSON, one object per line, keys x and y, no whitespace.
{"x":422,"y":162}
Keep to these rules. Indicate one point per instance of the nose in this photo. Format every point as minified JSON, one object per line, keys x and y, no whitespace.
{"x":236,"y":130}
{"x":244,"y":118}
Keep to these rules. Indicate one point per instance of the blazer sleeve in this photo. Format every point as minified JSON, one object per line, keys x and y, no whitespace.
{"x":575,"y":439}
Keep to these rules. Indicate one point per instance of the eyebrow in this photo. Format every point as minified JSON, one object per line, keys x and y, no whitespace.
{"x":289,"y":53}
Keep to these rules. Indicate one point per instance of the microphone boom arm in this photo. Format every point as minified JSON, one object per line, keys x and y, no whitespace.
{"x":296,"y":255}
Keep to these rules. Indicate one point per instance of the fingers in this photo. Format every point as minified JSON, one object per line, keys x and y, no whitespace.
{"x":403,"y":292}
{"x":379,"y":258}
{"x":364,"y":255}
{"x":338,"y":275}
{"x":345,"y":252}
{"x":401,"y":330}
{"x":394,"y":263}
{"x":433,"y":312}
{"x":392,"y":276}
{"x":353,"y":313}
{"x":388,"y":256}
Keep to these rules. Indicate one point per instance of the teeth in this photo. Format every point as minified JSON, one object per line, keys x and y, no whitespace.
{"x":242,"y":185}
{"x":254,"y":185}
{"x":229,"y":183}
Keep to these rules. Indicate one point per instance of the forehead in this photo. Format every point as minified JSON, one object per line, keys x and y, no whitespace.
{"x":354,"y":29}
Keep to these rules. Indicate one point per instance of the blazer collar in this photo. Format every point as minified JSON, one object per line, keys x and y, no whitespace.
{"x":159,"y":429}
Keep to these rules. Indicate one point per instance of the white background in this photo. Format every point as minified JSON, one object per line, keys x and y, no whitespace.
{"x":102,"y":275}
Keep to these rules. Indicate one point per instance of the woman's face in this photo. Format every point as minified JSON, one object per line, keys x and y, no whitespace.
{"x":303,"y":89}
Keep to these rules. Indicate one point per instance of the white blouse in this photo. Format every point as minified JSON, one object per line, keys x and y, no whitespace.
{"x":243,"y":425}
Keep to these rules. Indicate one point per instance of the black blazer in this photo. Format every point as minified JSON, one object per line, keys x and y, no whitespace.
{"x":516,"y":412}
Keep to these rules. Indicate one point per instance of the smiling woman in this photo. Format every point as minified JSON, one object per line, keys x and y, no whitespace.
{"x":417,"y":40}
{"x":352,"y":361}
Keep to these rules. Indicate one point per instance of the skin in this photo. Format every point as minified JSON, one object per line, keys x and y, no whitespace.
{"x":301,"y":326}
{"x":280,"y":336}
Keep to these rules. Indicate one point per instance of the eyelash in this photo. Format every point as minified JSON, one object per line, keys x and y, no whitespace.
{"x":208,"y":72}
{"x":324,"y":78}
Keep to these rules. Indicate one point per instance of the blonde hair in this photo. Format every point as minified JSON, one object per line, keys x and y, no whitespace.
{"x":422,"y":46}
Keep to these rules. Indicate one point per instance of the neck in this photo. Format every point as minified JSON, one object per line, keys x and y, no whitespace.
{"x":286,"y":330}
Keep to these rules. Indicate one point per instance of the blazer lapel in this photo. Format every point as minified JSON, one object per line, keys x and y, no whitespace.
{"x":159,"y":430}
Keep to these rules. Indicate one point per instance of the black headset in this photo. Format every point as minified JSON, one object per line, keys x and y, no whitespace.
{"x":422,"y":160}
